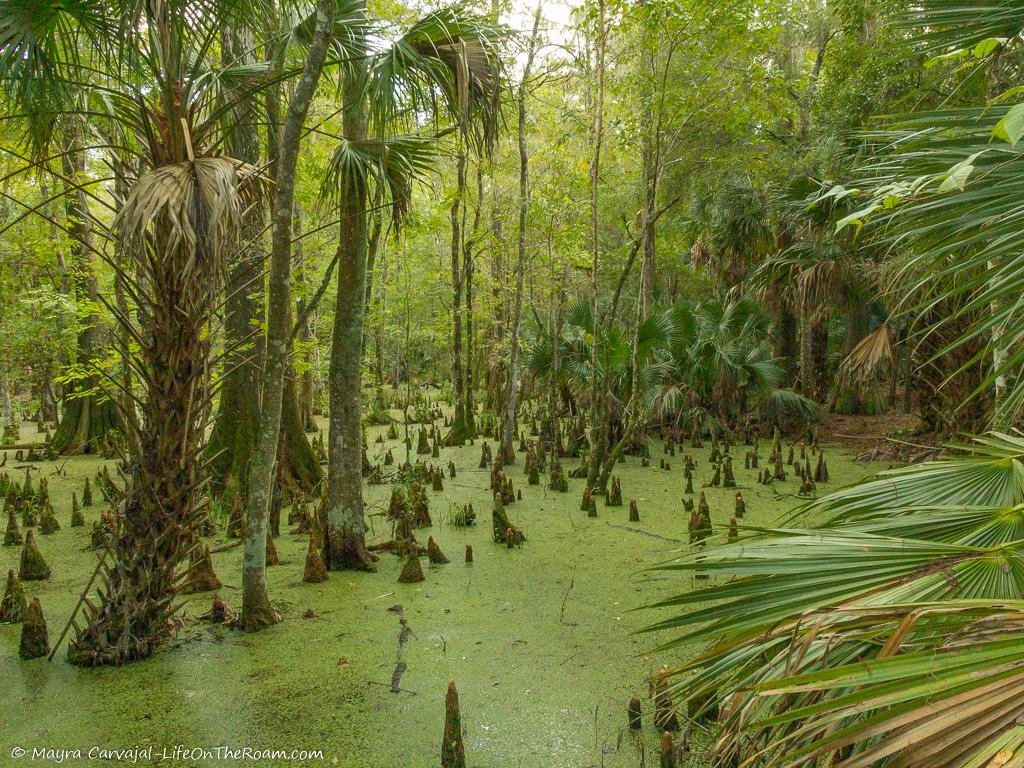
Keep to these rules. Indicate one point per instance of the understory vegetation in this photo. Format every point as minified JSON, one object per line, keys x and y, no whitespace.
{"x":617,"y":292}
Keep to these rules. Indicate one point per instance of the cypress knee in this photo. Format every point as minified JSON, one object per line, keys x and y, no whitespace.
{"x":315,"y":570}
{"x":634,"y":513}
{"x":12,"y":537}
{"x":77,"y":518}
{"x":35,"y":641}
{"x":633,"y":714}
{"x":33,"y":567}
{"x":412,"y":571}
{"x":668,"y":751}
{"x":13,"y":606}
{"x":434,"y":552}
{"x":453,"y":751}
{"x":201,"y":576}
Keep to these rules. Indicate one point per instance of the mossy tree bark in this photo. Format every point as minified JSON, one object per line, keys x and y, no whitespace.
{"x":495,"y":368}
{"x":345,"y":537}
{"x":305,"y":385}
{"x":6,"y":406}
{"x":468,"y":269}
{"x":814,"y":353}
{"x":508,"y":435}
{"x":458,"y":435}
{"x":256,"y":609}
{"x":596,"y":436}
{"x":88,"y":413}
{"x":236,"y":428}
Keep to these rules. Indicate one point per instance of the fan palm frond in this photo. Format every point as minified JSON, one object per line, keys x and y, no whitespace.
{"x":889,"y":636}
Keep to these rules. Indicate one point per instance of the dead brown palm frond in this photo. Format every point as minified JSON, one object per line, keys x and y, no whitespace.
{"x":167,"y":197}
{"x":820,"y":283}
{"x":873,"y":355}
{"x":700,"y":253}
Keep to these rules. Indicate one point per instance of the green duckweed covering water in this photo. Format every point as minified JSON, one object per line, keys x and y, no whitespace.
{"x":539,"y":639}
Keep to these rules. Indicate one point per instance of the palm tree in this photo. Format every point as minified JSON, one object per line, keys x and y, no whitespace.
{"x":723,"y":368}
{"x":944,"y":189}
{"x":140,"y":76}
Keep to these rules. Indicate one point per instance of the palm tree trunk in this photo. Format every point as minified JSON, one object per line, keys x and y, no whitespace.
{"x":786,"y":346}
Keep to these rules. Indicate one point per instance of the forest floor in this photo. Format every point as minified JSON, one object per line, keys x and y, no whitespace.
{"x":540,"y":640}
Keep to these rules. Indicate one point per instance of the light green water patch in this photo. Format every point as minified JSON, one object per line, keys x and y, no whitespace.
{"x":539,"y":639}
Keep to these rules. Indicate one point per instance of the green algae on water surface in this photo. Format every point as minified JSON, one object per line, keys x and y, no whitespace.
{"x":539,"y":639}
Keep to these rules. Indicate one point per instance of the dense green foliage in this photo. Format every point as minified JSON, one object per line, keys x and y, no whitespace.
{"x":696,"y":219}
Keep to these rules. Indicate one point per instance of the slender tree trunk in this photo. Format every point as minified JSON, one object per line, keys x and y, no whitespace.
{"x":457,"y":434}
{"x":6,"y":405}
{"x":256,"y":609}
{"x":304,"y":335}
{"x":468,"y":271}
{"x":378,"y":330}
{"x":596,"y":437}
{"x":817,"y":348}
{"x":554,"y":404}
{"x":373,"y":247}
{"x":345,"y":540}
{"x":508,"y":451}
{"x":495,"y":374}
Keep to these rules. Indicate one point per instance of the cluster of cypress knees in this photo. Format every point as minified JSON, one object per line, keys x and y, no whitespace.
{"x":30,"y":503}
{"x":408,"y":511}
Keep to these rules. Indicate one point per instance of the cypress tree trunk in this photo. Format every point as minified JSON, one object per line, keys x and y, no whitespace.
{"x":457,"y":434}
{"x":596,"y":434}
{"x":814,"y":353}
{"x":304,"y":383}
{"x":819,"y":358}
{"x":88,"y":414}
{"x":345,"y":539}
{"x":495,"y":372}
{"x":7,"y":421}
{"x":508,"y":453}
{"x":256,"y":609}
{"x":305,"y":379}
{"x":467,"y":276}
{"x":236,"y":428}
